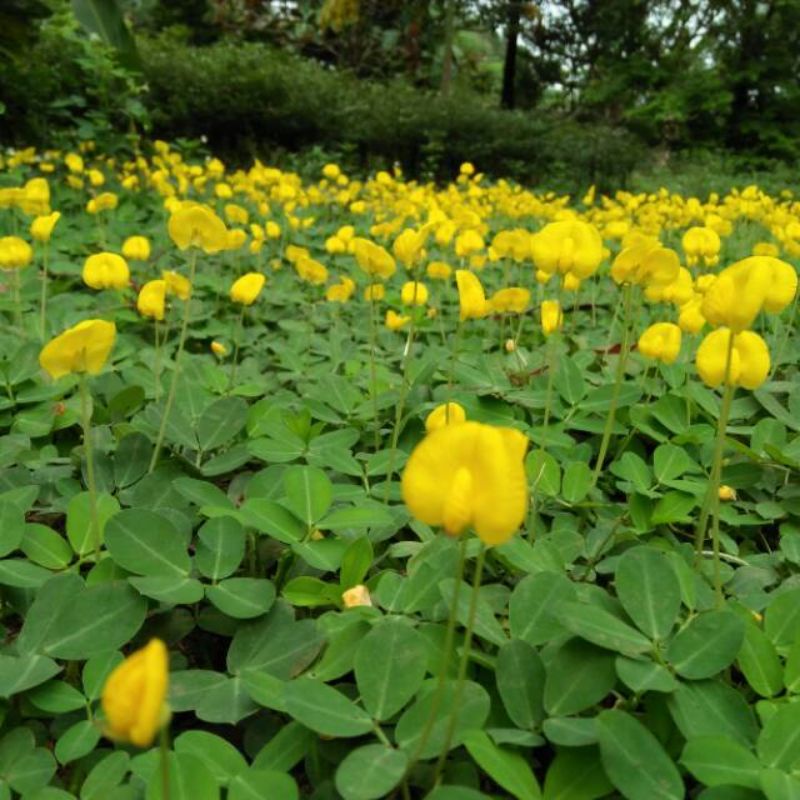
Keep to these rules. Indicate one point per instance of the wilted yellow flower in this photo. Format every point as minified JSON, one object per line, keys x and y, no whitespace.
{"x":245,"y":290}
{"x":219,"y":349}
{"x":567,"y":246}
{"x":661,"y":341}
{"x":134,"y":697}
{"x":42,"y":227}
{"x":82,"y":348}
{"x":445,"y":414}
{"x":469,"y":474}
{"x":197,"y":226}
{"x":356,"y":596}
{"x":136,"y":248}
{"x":513,"y":300}
{"x":395,"y":321}
{"x":374,"y":292}
{"x":726,"y":493}
{"x":106,"y":271}
{"x":471,"y":297}
{"x":552,"y":317}
{"x":151,"y":299}
{"x":749,"y":362}
{"x":177,"y":284}
{"x":414,"y":293}
{"x":15,"y":253}
{"x":373,"y":258}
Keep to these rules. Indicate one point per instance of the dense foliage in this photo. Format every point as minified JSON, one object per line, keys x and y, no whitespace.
{"x":224,"y":451}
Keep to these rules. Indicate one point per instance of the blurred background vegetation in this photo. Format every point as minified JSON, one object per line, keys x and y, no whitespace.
{"x":563,"y":93}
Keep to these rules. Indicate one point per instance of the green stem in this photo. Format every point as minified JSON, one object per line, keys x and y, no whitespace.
{"x":173,"y":386}
{"x":164,"y":759}
{"x":620,"y":375}
{"x":447,"y":656}
{"x":236,"y":337}
{"x":17,"y":299}
{"x":711,"y":503}
{"x":373,"y":374}
{"x":43,"y":302}
{"x":86,"y":422}
{"x":157,"y":362}
{"x":462,"y":664}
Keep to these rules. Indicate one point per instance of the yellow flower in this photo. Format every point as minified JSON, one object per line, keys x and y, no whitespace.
{"x":150,"y":302}
{"x":374,"y":292}
{"x":749,"y":363}
{"x":468,"y":243}
{"x":177,"y":284}
{"x":567,"y":246}
{"x":552,"y":317}
{"x":471,"y":297}
{"x":356,"y":596}
{"x":467,"y":169}
{"x":691,"y":319}
{"x":311,"y":271}
{"x":219,"y":349}
{"x":445,"y":414}
{"x":197,"y":226}
{"x":439,"y":271}
{"x":74,"y":162}
{"x":107,"y":201}
{"x":646,"y":263}
{"x":35,"y":197}
{"x":134,"y":697}
{"x":766,"y":249}
{"x":513,"y":300}
{"x":407,"y":247}
{"x":15,"y":253}
{"x":96,"y":178}
{"x":469,"y":474}
{"x":727,"y":493}
{"x":82,"y":348}
{"x":661,"y":341}
{"x":42,"y":227}
{"x":373,"y":258}
{"x":235,"y":239}
{"x":245,"y":290}
{"x":334,"y":245}
{"x":136,"y":248}
{"x":395,"y":321}
{"x":341,"y":292}
{"x":236,"y":215}
{"x":273,"y":230}
{"x":331,"y":171}
{"x":106,"y":271}
{"x":571,"y":282}
{"x":414,"y":293}
{"x":701,"y":243}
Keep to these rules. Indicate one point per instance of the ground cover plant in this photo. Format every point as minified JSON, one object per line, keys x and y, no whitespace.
{"x":361,"y":489}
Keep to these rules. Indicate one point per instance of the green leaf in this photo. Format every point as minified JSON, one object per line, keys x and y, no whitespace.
{"x":370,"y":772}
{"x":221,"y":422}
{"x":77,"y":741}
{"x":673,"y":507}
{"x":356,"y":561}
{"x":577,"y":676}
{"x":131,"y":459}
{"x":486,"y":624}
{"x":649,"y":591}
{"x":219,"y":755}
{"x":227,"y":702}
{"x":45,"y":547}
{"x":670,"y":462}
{"x":366,"y":516}
{"x":242,"y":598}
{"x":634,"y":759}
{"x":505,"y":767}
{"x":711,"y":708}
{"x":782,"y":618}
{"x":325,"y":710}
{"x":79,"y":520}
{"x":544,"y":473}
{"x":602,"y":628}
{"x":520,"y":675}
{"x":169,"y":590}
{"x":534,"y":605}
{"x":759,"y":662}
{"x":720,"y":761}
{"x":273,"y":519}
{"x":645,"y":676}
{"x":31,"y":772}
{"x":147,"y":543}
{"x":202,"y":493}
{"x":19,"y":673}
{"x":779,"y":785}
{"x":104,"y":18}
{"x":779,"y":742}
{"x":570,"y":731}
{"x":189,"y":779}
{"x":308,"y":493}
{"x":57,"y":697}
{"x":569,"y":381}
{"x":256,"y":784}
{"x":576,"y":774}
{"x":285,"y":749}
{"x":12,"y":527}
{"x":577,"y":481}
{"x":390,"y":665}
{"x":106,"y":775}
{"x":220,"y":547}
{"x":708,"y":644}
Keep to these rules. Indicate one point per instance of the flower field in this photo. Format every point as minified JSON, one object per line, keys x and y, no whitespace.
{"x":341,"y":488}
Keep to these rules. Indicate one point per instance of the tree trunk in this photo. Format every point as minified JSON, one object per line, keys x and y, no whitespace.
{"x":507,"y":99}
